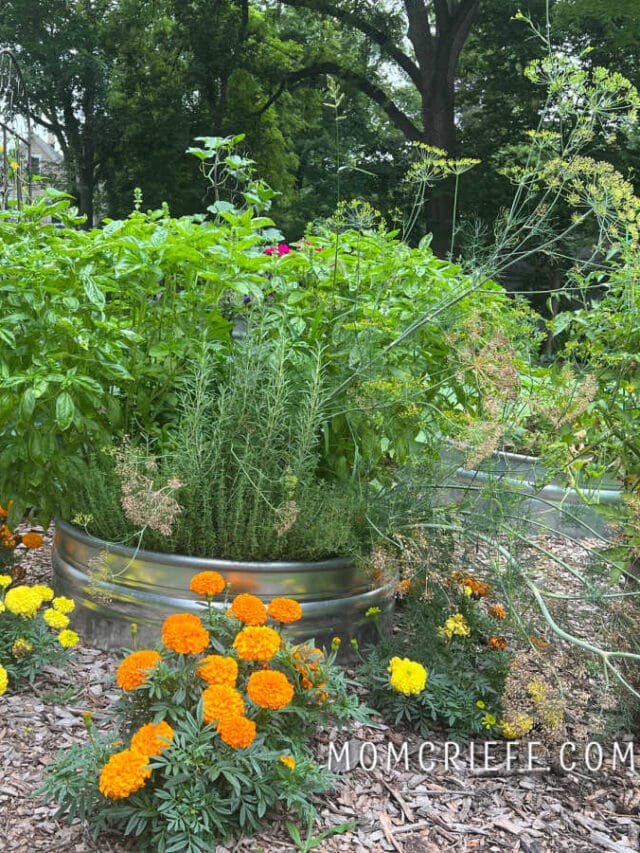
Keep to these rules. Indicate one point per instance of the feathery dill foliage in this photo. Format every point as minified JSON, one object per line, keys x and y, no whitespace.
{"x":242,"y":462}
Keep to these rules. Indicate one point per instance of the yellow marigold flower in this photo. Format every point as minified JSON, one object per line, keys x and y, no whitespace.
{"x":55,"y":619}
{"x":237,"y":732}
{"x":257,"y":643}
{"x":63,"y":605}
{"x":222,"y":701}
{"x":23,"y":601}
{"x":134,"y":669}
{"x":520,"y":724}
{"x":21,"y":648}
{"x":2,"y":607}
{"x":269,"y":689}
{"x":4,"y":680}
{"x":285,"y":610}
{"x":152,"y":738}
{"x":456,"y":624}
{"x":407,"y":676}
{"x":207,"y":583}
{"x":249,"y":609}
{"x":68,"y":639}
{"x":5,"y":581}
{"x":497,"y":611}
{"x":488,"y":721}
{"x":45,"y":592}
{"x":184,"y":633}
{"x":480,"y":704}
{"x":124,"y":773}
{"x":217,"y":669}
{"x":288,"y":760}
{"x":32,"y":539}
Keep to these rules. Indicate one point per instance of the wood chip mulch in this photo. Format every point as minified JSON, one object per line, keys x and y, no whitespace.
{"x":438,"y":806}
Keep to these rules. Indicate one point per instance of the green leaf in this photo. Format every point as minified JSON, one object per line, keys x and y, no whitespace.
{"x":65,"y":410}
{"x":27,"y":405}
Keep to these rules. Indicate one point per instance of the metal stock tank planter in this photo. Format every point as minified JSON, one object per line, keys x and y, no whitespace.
{"x":116,"y":585}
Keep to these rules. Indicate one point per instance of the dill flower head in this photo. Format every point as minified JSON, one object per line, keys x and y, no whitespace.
{"x":288,"y":761}
{"x":124,"y":773}
{"x":134,"y":669}
{"x":518,"y":725}
{"x":269,"y":689}
{"x":285,"y":610}
{"x":257,"y":643}
{"x":237,"y":732}
{"x":55,"y":619}
{"x":4,"y":679}
{"x":222,"y":701}
{"x":407,"y":676}
{"x":217,"y":669}
{"x":184,"y":633}
{"x":68,"y":639}
{"x":32,"y":539}
{"x":207,"y":583}
{"x":497,"y":611}
{"x":63,"y":605}
{"x":249,"y":609}
{"x":23,"y":601}
{"x":152,"y":738}
{"x":456,"y":624}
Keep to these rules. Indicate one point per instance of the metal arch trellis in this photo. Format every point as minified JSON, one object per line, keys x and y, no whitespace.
{"x":15,"y":133}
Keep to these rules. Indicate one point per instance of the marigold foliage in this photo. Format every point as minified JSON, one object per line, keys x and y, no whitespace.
{"x":407,"y":676}
{"x":284,"y":610}
{"x":207,"y":583}
{"x":257,"y":643}
{"x":249,"y":609}
{"x":134,"y":669}
{"x":237,"y":732}
{"x":124,"y":773}
{"x":218,"y":669}
{"x":184,"y":633}
{"x":270,"y":689}
{"x":222,"y":702}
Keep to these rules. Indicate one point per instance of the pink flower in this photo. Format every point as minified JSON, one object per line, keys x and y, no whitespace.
{"x":269,"y":250}
{"x":283,"y":249}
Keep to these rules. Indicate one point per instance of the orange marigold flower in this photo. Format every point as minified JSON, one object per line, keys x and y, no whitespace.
{"x":184,"y":633}
{"x":257,"y":643}
{"x":217,"y":669}
{"x":5,"y":512}
{"x":285,"y":610}
{"x":124,"y":773}
{"x":237,"y":732}
{"x":32,"y":539}
{"x":538,"y":643}
{"x":307,"y":660}
{"x":497,"y":643}
{"x":403,"y":588}
{"x":497,"y":611}
{"x":152,"y":738}
{"x":207,"y":583}
{"x":134,"y":669}
{"x":249,"y":609}
{"x":288,"y":760}
{"x":478,"y":588}
{"x":270,"y":689}
{"x":222,"y":701}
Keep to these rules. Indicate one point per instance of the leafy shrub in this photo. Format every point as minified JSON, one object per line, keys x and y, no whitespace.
{"x":211,"y":729}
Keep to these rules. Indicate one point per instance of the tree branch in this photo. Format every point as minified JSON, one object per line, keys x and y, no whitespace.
{"x":400,"y":119}
{"x":359,"y":22}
